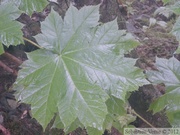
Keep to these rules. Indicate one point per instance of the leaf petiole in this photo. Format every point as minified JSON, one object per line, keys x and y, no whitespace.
{"x":135,"y":113}
{"x":33,"y":43}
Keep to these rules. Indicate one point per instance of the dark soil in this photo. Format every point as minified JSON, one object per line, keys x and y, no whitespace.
{"x":156,"y":41}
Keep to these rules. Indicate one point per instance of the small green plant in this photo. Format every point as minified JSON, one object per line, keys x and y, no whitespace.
{"x":81,"y":73}
{"x":169,"y":8}
{"x":169,"y":74}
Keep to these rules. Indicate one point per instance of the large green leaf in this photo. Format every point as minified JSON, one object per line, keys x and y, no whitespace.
{"x":10,"y":30}
{"x":81,"y":63}
{"x":29,"y":6}
{"x":169,"y":74}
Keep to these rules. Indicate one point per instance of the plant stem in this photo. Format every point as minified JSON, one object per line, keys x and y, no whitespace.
{"x":143,"y":119}
{"x":33,"y":43}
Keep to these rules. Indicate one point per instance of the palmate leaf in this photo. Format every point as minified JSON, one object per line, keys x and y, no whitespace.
{"x":29,"y":6}
{"x":10,"y":30}
{"x":169,"y":74}
{"x":81,"y":64}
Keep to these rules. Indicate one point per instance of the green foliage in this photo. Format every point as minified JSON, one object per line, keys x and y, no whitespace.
{"x":165,"y":11}
{"x":117,"y":116}
{"x":169,"y":9}
{"x":93,"y":131}
{"x":10,"y":30}
{"x":168,"y":71}
{"x":29,"y":6}
{"x":176,"y":8}
{"x":169,"y":74}
{"x":176,"y":29}
{"x":81,"y":74}
{"x":166,"y":1}
{"x":1,"y":49}
{"x":172,"y":7}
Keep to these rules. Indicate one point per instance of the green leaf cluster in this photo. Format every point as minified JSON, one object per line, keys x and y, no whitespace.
{"x":10,"y":30}
{"x":81,"y":74}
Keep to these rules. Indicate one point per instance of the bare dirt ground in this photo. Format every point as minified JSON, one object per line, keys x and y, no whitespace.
{"x":156,"y":41}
